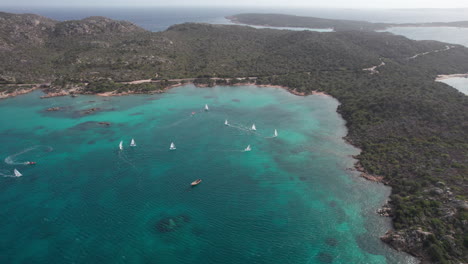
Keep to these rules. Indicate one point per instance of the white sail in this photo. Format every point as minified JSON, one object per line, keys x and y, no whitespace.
{"x":276,"y":133}
{"x":226,"y":122}
{"x":253,"y":127}
{"x":247,"y":148}
{"x":121,"y":145}
{"x":17,"y":173}
{"x":172,"y":147}
{"x":133,"y":144}
{"x":206,"y":107}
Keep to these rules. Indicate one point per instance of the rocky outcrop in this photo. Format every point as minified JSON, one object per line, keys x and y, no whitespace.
{"x":29,"y":29}
{"x":53,"y":109}
{"x":409,"y":241}
{"x":386,"y":210}
{"x":16,"y":92}
{"x":91,"y":110}
{"x":24,"y":29}
{"x":94,"y":26}
{"x":367,"y":176}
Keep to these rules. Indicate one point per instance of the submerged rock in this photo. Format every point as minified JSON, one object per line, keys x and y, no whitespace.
{"x":91,"y":110}
{"x":331,"y":242}
{"x":53,"y":109}
{"x":325,"y":257}
{"x":172,"y":223}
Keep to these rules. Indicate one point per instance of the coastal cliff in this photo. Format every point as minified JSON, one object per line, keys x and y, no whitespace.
{"x":411,"y":129}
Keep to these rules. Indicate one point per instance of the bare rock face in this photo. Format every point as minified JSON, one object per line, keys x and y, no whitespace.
{"x":412,"y":240}
{"x":95,"y":26}
{"x":24,"y":29}
{"x":27,"y":29}
{"x":395,"y":239}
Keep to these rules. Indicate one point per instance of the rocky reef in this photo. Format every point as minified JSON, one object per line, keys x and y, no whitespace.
{"x":171,"y":223}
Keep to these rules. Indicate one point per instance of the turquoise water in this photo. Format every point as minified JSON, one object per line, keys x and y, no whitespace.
{"x":454,"y":35}
{"x":289,"y":200}
{"x":459,"y":83}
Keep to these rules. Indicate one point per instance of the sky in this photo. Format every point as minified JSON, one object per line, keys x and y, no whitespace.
{"x":269,"y":3}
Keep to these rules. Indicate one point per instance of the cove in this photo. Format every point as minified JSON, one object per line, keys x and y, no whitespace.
{"x":459,"y":83}
{"x":289,"y":200}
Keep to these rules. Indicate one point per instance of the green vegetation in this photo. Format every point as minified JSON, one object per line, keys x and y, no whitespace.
{"x":280,"y":20}
{"x":411,"y":130}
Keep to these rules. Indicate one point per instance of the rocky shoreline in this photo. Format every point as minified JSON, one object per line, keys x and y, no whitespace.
{"x":75,"y":90}
{"x":19,"y":91}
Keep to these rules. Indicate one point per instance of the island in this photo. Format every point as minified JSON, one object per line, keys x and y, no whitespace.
{"x":411,"y":129}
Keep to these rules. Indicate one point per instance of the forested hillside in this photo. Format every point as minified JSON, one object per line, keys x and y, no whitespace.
{"x":280,"y":20}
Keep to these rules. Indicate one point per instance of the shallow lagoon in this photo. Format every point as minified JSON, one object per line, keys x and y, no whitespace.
{"x":289,"y":200}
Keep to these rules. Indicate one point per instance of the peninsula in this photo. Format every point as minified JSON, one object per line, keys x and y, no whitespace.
{"x":280,"y":20}
{"x":412,"y":130}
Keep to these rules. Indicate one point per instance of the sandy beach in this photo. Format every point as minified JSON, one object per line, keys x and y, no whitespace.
{"x":448,"y":76}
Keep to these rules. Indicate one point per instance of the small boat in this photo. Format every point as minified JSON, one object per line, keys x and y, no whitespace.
{"x":226,"y":123}
{"x":206,"y":107}
{"x":196,"y":182}
{"x":193,"y":113}
{"x":254,"y":128}
{"x":121,"y":145}
{"x":248,"y":148}
{"x":132,"y":143}
{"x":172,"y":147}
{"x":276,"y":133}
{"x":17,"y":173}
{"x":30,"y":162}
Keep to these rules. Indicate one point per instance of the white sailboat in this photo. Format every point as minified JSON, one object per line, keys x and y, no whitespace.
{"x":276,"y":133}
{"x":17,"y":173}
{"x":206,"y":107}
{"x":121,"y":145}
{"x":254,"y":128}
{"x":248,"y":148}
{"x":172,"y":147}
{"x":226,"y":123}
{"x":132,"y":143}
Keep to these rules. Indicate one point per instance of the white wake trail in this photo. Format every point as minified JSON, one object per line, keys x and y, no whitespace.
{"x":11,"y":160}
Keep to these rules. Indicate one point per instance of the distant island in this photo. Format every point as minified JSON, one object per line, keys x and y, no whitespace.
{"x":412,"y":130}
{"x":280,"y":20}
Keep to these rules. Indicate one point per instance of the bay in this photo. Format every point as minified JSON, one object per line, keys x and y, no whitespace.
{"x":292,"y":199}
{"x":453,"y":35}
{"x":459,"y":83}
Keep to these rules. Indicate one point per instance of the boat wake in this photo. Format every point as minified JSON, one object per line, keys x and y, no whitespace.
{"x":242,"y":128}
{"x":178,"y":122}
{"x":12,"y":159}
{"x":225,"y":150}
{"x":125,"y":159}
{"x":7,"y":174}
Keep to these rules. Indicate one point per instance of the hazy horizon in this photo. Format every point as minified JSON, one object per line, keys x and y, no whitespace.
{"x":339,"y":4}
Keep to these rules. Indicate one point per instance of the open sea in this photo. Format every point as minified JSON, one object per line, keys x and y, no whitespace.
{"x":292,"y":199}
